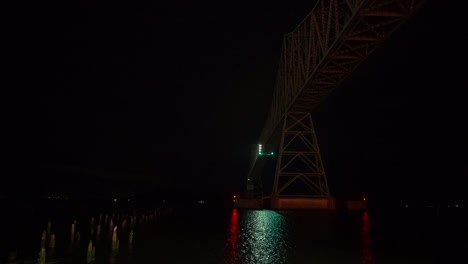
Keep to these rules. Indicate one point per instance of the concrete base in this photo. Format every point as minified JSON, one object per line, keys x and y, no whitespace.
{"x":248,"y":203}
{"x":299,"y":203}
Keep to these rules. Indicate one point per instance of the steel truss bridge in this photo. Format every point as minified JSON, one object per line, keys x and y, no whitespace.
{"x":317,"y":56}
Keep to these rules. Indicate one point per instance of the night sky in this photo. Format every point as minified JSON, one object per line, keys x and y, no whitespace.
{"x":123,"y":99}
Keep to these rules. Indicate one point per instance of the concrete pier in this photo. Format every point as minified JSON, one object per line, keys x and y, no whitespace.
{"x":303,"y":203}
{"x":244,"y":203}
{"x":300,"y":203}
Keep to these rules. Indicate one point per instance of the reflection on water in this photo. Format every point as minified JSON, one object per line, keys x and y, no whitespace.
{"x":367,"y":250}
{"x":261,"y":236}
{"x":233,"y":238}
{"x":257,"y":237}
{"x":240,"y":237}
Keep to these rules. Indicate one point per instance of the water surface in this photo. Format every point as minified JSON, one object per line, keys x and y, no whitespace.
{"x":233,"y":236}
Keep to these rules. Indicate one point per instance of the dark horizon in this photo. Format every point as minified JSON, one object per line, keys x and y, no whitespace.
{"x":157,"y":98}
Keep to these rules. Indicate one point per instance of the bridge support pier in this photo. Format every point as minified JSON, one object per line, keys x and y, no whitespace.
{"x":303,"y":203}
{"x":299,"y":169}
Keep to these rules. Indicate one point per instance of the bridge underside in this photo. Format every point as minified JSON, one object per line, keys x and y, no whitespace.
{"x":317,"y":56}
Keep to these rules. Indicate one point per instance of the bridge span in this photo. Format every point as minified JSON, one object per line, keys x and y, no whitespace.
{"x":317,"y":56}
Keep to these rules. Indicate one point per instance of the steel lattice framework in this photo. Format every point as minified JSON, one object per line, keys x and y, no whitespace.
{"x":325,"y":48}
{"x":299,"y":170}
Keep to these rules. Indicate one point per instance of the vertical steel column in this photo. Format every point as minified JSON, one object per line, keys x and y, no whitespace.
{"x":278,"y":163}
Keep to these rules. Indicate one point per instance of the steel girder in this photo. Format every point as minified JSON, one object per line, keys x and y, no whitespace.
{"x":326,"y":47}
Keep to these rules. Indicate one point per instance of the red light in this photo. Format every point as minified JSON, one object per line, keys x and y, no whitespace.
{"x":364,"y":198}
{"x":234,"y":196}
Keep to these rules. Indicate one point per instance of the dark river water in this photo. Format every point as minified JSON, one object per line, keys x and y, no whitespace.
{"x":202,"y":235}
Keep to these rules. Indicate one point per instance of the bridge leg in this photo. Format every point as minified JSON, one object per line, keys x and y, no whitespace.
{"x":299,"y":169}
